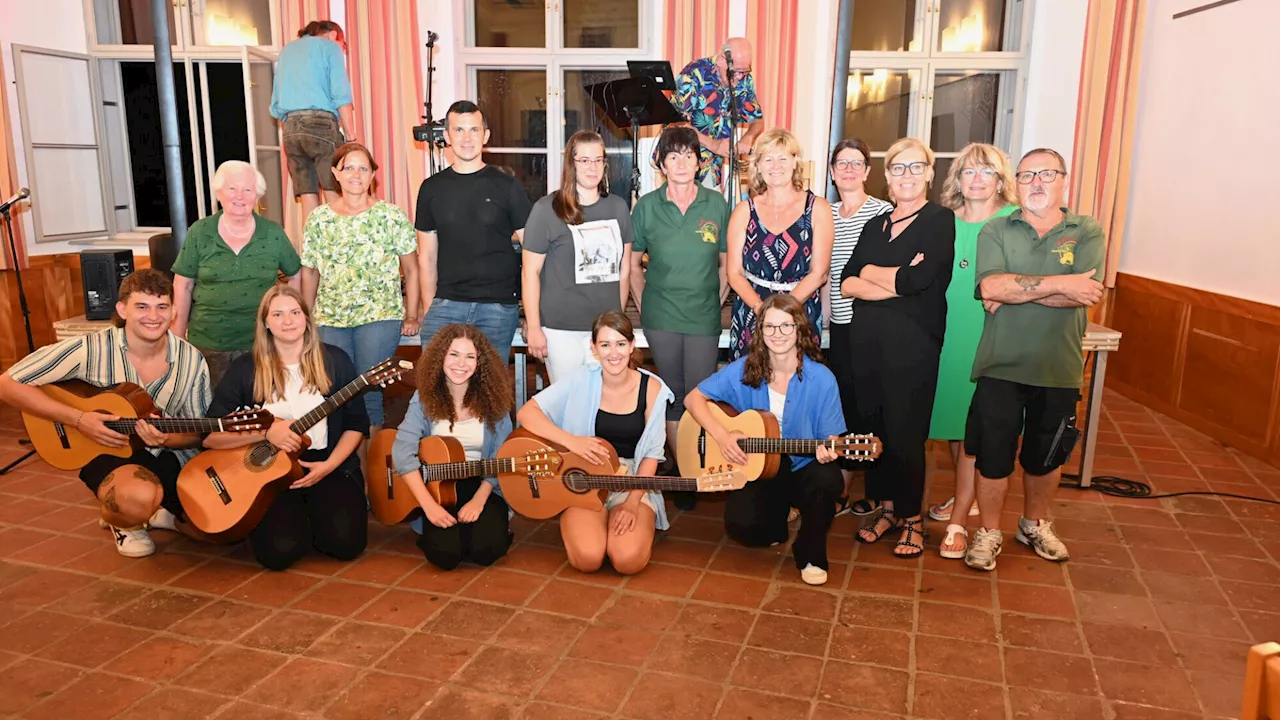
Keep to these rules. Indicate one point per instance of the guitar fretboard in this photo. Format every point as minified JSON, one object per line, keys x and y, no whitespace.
{"x":264,"y":451}
{"x":128,"y":426}
{"x":781,"y":446}
{"x":467,"y":469}
{"x":631,"y":482}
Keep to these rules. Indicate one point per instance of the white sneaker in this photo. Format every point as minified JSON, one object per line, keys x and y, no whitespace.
{"x":1039,"y":536}
{"x":942,"y":513}
{"x":813,"y":575}
{"x":133,"y":542}
{"x":983,"y":549}
{"x":162,"y":520}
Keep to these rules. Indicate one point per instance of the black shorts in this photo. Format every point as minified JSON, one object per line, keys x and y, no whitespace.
{"x":165,"y":466}
{"x":1001,"y":411}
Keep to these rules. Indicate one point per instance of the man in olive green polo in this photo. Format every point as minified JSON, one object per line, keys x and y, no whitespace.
{"x":1038,"y":271}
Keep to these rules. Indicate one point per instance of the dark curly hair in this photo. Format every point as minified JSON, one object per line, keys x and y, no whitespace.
{"x":757,"y":369}
{"x":489,"y":393}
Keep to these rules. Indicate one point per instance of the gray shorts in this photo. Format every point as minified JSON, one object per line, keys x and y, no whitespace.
{"x":310,"y":137}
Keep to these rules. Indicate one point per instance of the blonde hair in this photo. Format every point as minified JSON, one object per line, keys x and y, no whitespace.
{"x":769,"y":141}
{"x":268,"y":368}
{"x":904,"y":145}
{"x":978,"y":155}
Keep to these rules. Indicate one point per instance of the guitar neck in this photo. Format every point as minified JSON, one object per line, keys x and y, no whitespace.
{"x":467,"y":469}
{"x":331,"y":403}
{"x":633,"y":482}
{"x":779,"y":446}
{"x":129,"y":426}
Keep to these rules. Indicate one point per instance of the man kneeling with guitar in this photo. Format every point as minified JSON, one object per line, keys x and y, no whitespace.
{"x":140,"y":488}
{"x":782,"y":373}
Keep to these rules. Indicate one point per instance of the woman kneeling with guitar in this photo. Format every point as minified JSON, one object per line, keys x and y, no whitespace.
{"x":617,"y":403}
{"x":464,"y":392}
{"x":782,"y":373}
{"x":290,"y":373}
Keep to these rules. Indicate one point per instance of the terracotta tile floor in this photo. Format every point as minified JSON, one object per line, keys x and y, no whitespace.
{"x":1152,"y":618}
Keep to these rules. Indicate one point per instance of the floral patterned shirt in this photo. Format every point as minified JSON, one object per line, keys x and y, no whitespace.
{"x":358,"y":258}
{"x":702,"y":96}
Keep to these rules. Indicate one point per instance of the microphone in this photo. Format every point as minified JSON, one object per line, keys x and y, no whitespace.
{"x":431,"y":38}
{"x":728,"y":56}
{"x":23,"y":194}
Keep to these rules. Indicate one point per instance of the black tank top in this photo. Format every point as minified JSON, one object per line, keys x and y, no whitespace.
{"x":624,"y":431}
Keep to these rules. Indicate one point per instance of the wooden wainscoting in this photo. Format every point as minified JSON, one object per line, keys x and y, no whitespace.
{"x":1208,"y":360}
{"x":54,"y":292}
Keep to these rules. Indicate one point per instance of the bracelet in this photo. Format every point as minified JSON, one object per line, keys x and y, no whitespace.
{"x":77,"y":425}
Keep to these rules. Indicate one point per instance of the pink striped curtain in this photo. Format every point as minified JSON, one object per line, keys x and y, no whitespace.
{"x":386,"y":77}
{"x":694,"y":29}
{"x":771,"y":28}
{"x":1105,"y":118}
{"x":294,"y":15}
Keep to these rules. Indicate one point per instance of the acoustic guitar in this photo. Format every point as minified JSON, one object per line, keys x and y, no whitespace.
{"x":226,"y":492}
{"x":697,"y":452}
{"x":443,"y":463}
{"x":66,"y":448}
{"x":544,"y":492}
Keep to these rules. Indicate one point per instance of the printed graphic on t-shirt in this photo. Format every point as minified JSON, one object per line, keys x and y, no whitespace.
{"x":1066,"y":251}
{"x":597,"y":252}
{"x":708,"y":231}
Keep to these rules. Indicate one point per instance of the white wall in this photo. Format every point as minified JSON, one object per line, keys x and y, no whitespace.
{"x":1203,"y":170}
{"x":1053,"y":76}
{"x":52,"y":24}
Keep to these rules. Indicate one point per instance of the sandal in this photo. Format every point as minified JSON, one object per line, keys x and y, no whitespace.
{"x":793,"y":515}
{"x":864,"y":507}
{"x":874,"y":531}
{"x":912,"y":528}
{"x":949,"y":539}
{"x":842,"y":505}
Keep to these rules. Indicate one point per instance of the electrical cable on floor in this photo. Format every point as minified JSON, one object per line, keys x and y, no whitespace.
{"x":1123,"y":487}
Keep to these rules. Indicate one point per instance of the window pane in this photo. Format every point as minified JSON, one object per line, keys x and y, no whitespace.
{"x":964,"y":109}
{"x":601,"y":23}
{"x":146,"y":151}
{"x":514,"y":103}
{"x":941,"y":166}
{"x":885,"y":26}
{"x":878,"y":106}
{"x":231,"y":22}
{"x":974,"y":26}
{"x":128,"y":22}
{"x":510,"y":23}
{"x":876,"y":185}
{"x":580,"y":113}
{"x":529,"y":168}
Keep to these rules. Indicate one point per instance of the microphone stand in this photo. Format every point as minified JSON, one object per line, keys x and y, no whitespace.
{"x":732,"y":172}
{"x":430,"y":118}
{"x":26,"y":320}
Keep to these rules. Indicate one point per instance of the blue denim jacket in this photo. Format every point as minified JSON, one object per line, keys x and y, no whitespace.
{"x":404,"y":453}
{"x":812,"y":410}
{"x":572,"y":404}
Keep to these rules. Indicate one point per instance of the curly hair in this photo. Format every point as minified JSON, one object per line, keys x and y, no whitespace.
{"x":808,"y":345}
{"x":489,"y":393}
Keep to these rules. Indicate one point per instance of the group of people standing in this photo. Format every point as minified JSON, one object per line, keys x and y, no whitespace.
{"x":959,"y":321}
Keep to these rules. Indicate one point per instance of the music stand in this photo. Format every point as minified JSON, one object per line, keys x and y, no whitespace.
{"x":659,"y":71}
{"x":633,"y":103}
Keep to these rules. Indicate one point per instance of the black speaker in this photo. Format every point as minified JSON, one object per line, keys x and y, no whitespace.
{"x":102,"y":272}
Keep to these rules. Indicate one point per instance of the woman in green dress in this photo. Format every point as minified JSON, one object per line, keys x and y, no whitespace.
{"x":979,"y":186}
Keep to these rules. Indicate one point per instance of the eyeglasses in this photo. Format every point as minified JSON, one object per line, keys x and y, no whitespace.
{"x":971,"y":173}
{"x":355,"y":169}
{"x":849,"y":165}
{"x":900,"y":169}
{"x":589,"y":162}
{"x":740,"y":75}
{"x":1046,"y":176}
{"x":784,"y":328}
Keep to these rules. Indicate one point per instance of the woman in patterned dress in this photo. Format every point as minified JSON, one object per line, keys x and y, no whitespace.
{"x":779,"y":241}
{"x":353,"y":250}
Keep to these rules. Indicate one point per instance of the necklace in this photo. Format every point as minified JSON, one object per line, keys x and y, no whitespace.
{"x":224,"y":227}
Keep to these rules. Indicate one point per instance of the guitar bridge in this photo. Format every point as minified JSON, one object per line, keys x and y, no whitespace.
{"x":218,"y":486}
{"x":62,"y":435}
{"x":533,"y":487}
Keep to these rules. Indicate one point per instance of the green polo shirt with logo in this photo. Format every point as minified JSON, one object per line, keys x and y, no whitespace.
{"x":229,"y":286}
{"x":682,"y":283}
{"x":1030,"y":343}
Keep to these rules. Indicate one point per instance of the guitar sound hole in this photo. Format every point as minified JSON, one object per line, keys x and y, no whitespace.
{"x":575,"y":480}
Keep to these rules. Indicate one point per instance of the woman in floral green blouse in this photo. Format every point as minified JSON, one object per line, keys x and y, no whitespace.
{"x":353,"y":250}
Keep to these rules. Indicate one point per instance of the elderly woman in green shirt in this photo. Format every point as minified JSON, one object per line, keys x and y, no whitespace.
{"x":227,"y":262}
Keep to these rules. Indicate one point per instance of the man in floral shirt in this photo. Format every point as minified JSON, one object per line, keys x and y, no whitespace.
{"x":702,"y":96}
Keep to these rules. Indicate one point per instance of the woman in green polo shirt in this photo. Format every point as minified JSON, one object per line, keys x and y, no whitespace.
{"x":227,"y":262}
{"x":681,"y":226}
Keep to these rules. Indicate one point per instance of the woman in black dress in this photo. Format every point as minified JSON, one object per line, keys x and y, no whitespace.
{"x":898,"y":277}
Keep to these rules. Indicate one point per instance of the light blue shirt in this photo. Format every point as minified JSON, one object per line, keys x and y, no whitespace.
{"x":812,"y":410}
{"x":311,"y":74}
{"x":415,"y":426}
{"x":573,"y":402}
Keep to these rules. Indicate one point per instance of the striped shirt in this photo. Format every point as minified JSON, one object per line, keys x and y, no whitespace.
{"x":848,"y":230}
{"x":100,"y":360}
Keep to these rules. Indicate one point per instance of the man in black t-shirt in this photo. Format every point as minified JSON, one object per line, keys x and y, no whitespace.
{"x":467,"y":216}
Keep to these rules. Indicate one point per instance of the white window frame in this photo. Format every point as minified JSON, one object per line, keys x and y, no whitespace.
{"x":183,"y":44}
{"x":554,"y":61}
{"x":928,"y":63}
